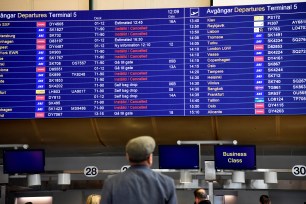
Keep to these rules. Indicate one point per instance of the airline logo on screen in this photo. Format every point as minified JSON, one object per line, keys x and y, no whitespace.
{"x":259,"y":59}
{"x":194,"y":12}
{"x":40,"y":70}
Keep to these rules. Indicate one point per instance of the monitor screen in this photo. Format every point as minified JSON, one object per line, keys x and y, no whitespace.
{"x":235,"y":157}
{"x":23,"y":161}
{"x":178,"y":156}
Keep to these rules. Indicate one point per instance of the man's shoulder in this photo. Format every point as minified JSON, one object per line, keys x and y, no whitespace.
{"x":151,"y":173}
{"x":162,"y":176}
{"x":113,"y":178}
{"x":146,"y":172}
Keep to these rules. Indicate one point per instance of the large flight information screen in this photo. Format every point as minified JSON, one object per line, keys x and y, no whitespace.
{"x":206,"y":61}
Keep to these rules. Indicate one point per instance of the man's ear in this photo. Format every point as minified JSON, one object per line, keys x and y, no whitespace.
{"x":127,"y":156}
{"x":150,"y":159}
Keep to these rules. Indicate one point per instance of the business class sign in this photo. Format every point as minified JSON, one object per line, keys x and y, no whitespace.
{"x":235,"y":157}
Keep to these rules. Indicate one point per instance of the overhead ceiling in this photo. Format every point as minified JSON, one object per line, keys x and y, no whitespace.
{"x":108,"y":136}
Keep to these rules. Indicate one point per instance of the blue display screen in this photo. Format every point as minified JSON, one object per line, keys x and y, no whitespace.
{"x":23,"y":161}
{"x":206,"y":61}
{"x":178,"y":156}
{"x":237,"y":157}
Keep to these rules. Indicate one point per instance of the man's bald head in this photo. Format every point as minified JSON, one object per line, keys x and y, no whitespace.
{"x":200,"y":194}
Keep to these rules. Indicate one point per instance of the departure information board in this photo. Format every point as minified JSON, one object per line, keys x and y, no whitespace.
{"x":239,"y":60}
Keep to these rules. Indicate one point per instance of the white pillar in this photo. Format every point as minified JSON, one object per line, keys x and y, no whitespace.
{"x":211,"y":191}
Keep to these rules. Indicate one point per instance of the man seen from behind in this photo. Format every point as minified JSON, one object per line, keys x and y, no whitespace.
{"x":139,"y":184}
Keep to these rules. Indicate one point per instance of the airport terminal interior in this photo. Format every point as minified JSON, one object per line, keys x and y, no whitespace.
{"x":81,"y":152}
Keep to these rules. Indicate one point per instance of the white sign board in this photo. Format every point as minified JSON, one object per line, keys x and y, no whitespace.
{"x":299,"y":170}
{"x":124,"y":168}
{"x":91,"y":171}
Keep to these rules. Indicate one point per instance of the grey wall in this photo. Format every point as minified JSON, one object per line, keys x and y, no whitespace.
{"x":285,"y":197}
{"x":249,"y":197}
{"x":75,"y":197}
{"x":78,"y":163}
{"x":116,"y":162}
{"x":185,"y":196}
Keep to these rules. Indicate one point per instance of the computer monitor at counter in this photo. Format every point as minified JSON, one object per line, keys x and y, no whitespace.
{"x":178,"y":156}
{"x":23,"y":161}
